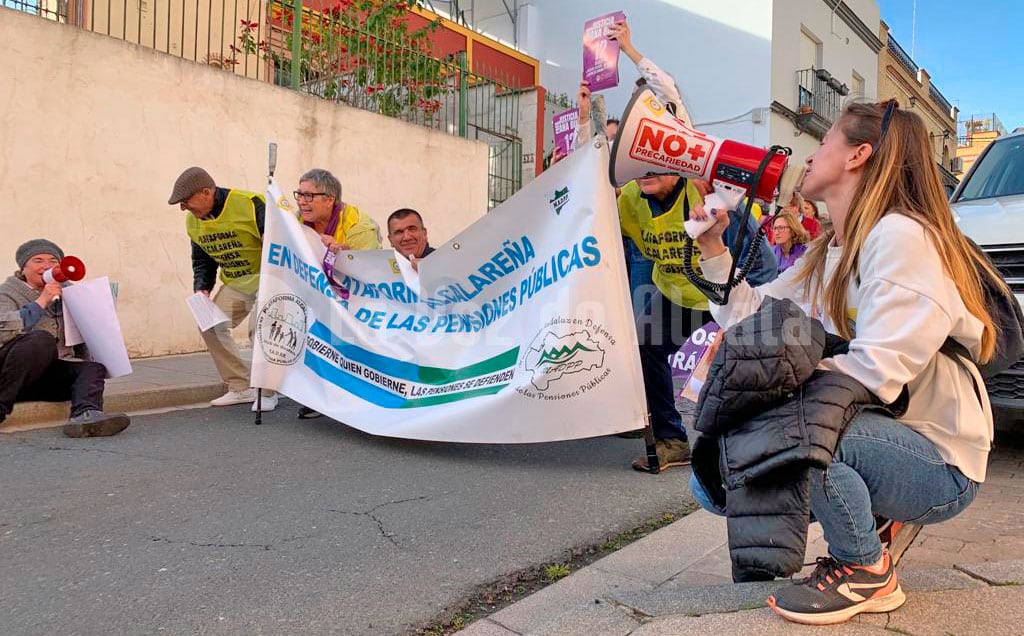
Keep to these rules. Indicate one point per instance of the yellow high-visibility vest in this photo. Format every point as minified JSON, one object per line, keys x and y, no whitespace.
{"x":232,"y":240}
{"x":661,"y":240}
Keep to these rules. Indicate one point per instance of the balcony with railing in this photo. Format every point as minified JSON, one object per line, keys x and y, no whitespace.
{"x":819,"y":100}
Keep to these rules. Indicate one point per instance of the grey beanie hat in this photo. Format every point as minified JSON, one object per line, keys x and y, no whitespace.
{"x":36,"y":247}
{"x":189,"y":182}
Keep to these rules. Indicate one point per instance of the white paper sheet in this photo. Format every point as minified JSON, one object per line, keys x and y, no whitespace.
{"x":409,"y":275}
{"x":206,"y":314}
{"x":91,"y":306}
{"x":72,"y":336}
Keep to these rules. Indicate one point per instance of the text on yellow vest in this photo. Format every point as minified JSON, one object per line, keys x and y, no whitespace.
{"x":232,"y":240}
{"x":660,"y":239}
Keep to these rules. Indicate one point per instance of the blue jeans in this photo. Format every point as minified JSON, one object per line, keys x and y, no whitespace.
{"x":641,"y":273}
{"x":881,"y":467}
{"x":662,"y":327}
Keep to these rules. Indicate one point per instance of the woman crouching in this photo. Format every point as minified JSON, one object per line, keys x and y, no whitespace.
{"x":895,"y":277}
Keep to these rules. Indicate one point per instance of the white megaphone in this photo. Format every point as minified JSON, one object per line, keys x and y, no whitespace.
{"x":70,"y":269}
{"x":652,"y":141}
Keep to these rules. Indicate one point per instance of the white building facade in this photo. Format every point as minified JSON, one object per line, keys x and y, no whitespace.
{"x":758,"y":71}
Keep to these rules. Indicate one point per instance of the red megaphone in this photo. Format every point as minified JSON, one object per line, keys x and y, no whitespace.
{"x":652,"y":141}
{"x":70,"y":269}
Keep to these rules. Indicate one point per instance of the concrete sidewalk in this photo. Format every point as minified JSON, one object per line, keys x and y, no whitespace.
{"x":188,"y":380}
{"x":965,"y":576}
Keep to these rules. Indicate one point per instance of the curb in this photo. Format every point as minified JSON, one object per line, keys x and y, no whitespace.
{"x":32,"y":415}
{"x":676,"y":580}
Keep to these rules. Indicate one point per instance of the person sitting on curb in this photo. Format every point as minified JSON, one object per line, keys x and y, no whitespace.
{"x":341,"y":226}
{"x":35,"y":362}
{"x":408,"y":235}
{"x":226,"y":229}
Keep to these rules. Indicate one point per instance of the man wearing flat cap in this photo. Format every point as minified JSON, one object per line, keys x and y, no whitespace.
{"x":226,"y":229}
{"x":35,"y":362}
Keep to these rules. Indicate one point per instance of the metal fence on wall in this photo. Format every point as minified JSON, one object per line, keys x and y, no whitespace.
{"x":50,"y":10}
{"x":378,"y":65}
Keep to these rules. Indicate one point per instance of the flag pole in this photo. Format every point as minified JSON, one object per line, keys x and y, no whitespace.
{"x":653,"y":466}
{"x":651,"y":444}
{"x":271,"y":166}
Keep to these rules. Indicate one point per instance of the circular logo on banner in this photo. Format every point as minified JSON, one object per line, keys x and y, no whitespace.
{"x":281,"y":329}
{"x":566,"y":359}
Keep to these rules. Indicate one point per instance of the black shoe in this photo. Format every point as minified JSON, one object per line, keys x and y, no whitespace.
{"x":306,"y":413}
{"x":836,"y":592}
{"x":96,"y":424}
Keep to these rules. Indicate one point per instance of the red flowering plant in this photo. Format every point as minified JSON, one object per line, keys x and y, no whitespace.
{"x":361,"y":52}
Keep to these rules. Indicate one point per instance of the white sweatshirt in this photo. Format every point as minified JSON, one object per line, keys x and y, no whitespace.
{"x":904,"y":307}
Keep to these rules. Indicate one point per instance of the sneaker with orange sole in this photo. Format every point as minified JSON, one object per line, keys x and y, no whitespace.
{"x":836,"y":592}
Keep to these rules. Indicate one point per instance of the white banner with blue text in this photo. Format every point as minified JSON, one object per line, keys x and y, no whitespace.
{"x":517,"y":330}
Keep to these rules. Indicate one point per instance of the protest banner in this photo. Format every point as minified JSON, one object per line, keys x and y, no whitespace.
{"x":566,"y":124}
{"x":521,"y":331}
{"x":686,"y":359}
{"x":699,"y":375}
{"x":601,"y":55}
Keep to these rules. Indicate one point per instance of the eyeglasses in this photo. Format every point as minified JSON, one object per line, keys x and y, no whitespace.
{"x":890,"y":107}
{"x":308,"y":196}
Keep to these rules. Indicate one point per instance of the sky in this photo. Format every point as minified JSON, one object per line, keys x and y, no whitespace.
{"x":972,"y":50}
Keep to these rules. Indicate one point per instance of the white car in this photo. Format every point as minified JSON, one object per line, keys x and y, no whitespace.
{"x":989,"y":207}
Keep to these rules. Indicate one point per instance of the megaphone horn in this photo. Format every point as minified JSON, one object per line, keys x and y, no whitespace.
{"x":70,"y":269}
{"x":652,"y":141}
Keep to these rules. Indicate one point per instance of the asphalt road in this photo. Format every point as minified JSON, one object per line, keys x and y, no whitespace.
{"x":199,"y":522}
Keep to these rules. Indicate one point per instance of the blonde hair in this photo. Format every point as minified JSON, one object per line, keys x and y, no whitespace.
{"x":900,"y":176}
{"x":796,"y":228}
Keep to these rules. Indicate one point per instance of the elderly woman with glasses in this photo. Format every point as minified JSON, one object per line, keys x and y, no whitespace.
{"x":341,"y":226}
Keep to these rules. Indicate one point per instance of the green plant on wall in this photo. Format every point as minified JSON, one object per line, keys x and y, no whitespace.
{"x":360,"y":52}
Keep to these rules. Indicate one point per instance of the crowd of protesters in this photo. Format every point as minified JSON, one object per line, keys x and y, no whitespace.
{"x":888,"y":273}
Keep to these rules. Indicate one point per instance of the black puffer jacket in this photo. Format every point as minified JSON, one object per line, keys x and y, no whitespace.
{"x":767,"y":417}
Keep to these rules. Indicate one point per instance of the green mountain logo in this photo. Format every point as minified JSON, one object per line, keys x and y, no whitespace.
{"x":559,"y":200}
{"x":561,"y":355}
{"x":552,"y":356}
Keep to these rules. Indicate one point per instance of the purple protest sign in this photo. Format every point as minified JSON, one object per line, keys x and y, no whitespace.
{"x":684,"y":361}
{"x":566,"y":124}
{"x":601,"y":55}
